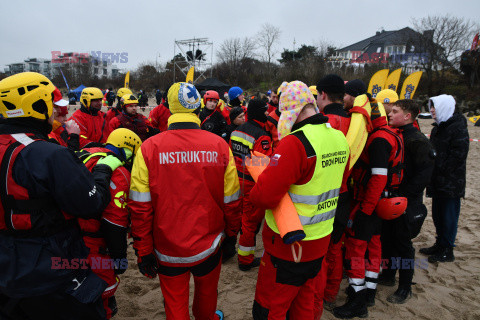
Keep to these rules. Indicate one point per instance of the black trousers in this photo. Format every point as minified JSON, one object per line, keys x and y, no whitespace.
{"x":397,"y":249}
{"x":61,"y":306}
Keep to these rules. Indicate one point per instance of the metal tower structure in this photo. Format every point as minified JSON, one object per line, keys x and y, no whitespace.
{"x":195,"y":53}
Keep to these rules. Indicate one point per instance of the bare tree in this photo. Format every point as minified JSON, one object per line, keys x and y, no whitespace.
{"x":234,"y":51}
{"x":443,"y":39}
{"x":267,"y":39}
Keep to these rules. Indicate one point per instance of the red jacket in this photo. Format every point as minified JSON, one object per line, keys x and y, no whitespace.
{"x":184,"y":194}
{"x":249,"y":137}
{"x":340,"y":120}
{"x":271,"y":108}
{"x":376,"y":171}
{"x":116,"y":216}
{"x":138,"y":124}
{"x":116,"y":212}
{"x":271,"y":127}
{"x":289,"y":165}
{"x":61,"y":136}
{"x":111,"y":113}
{"x":93,"y":127}
{"x":158,"y":117}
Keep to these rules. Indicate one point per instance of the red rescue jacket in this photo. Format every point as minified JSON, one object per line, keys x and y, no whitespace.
{"x":138,"y":124}
{"x":93,"y":126}
{"x":377,"y":174}
{"x":184,"y":195}
{"x":248,"y":137}
{"x":271,"y":127}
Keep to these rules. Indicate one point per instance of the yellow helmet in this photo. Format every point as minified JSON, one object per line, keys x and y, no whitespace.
{"x":123,"y":91}
{"x":387,"y":96}
{"x":125,"y":138}
{"x":313,"y":90}
{"x":27,"y":94}
{"x":128,"y":99}
{"x":89,"y":94}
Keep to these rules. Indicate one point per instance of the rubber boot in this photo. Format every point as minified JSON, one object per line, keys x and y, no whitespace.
{"x":355,"y":307}
{"x":370,"y":297}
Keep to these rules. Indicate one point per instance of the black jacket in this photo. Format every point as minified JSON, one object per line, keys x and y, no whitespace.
{"x":52,"y":172}
{"x":418,"y":165}
{"x":451,"y":142}
{"x":213,"y":121}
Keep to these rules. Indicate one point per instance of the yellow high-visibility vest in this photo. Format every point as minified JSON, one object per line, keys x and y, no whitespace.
{"x":316,"y":200}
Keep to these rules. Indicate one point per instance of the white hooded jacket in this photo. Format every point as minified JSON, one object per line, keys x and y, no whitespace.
{"x":444,"y":107}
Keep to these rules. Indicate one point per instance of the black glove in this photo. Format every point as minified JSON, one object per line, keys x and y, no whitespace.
{"x":148,"y":265}
{"x":363,"y":225}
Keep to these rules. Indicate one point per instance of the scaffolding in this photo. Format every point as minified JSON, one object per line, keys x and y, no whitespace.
{"x":195,"y":53}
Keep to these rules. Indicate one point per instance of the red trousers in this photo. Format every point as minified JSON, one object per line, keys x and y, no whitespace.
{"x":101,"y":265}
{"x":284,"y":286}
{"x":365,"y":259}
{"x":251,"y":221}
{"x":334,"y":269}
{"x":175,"y":290}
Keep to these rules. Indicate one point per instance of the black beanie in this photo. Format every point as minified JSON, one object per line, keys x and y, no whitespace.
{"x":331,"y":84}
{"x":235,"y":112}
{"x":355,"y":88}
{"x":256,"y":110}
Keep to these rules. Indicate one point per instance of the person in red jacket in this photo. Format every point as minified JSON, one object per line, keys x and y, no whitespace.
{"x":115,"y":111}
{"x":130,"y":118}
{"x":64,"y":133}
{"x":249,"y":137}
{"x":376,"y":174}
{"x":184,"y":199}
{"x":273,"y":101}
{"x":159,"y":115}
{"x":92,"y":122}
{"x":273,"y":117}
{"x":107,"y":237}
{"x":330,"y":92}
{"x":308,"y":164}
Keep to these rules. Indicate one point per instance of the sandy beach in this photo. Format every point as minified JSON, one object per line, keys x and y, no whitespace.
{"x":443,"y":291}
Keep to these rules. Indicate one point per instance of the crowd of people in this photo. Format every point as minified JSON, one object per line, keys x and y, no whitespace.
{"x":75,"y":188}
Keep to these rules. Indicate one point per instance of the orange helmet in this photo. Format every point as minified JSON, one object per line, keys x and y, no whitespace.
{"x":210,"y":95}
{"x":391,"y":208}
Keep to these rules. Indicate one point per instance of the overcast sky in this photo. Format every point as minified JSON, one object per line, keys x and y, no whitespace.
{"x":146,"y":30}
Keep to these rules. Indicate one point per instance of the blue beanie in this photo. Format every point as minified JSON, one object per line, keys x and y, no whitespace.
{"x":234,"y":92}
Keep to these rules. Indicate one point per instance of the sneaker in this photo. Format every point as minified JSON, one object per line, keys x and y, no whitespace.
{"x":219,"y":313}
{"x":245,"y":267}
{"x":444,"y":255}
{"x":400,"y":296}
{"x":430,"y":250}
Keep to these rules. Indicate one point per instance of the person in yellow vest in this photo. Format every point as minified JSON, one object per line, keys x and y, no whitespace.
{"x":308,"y":164}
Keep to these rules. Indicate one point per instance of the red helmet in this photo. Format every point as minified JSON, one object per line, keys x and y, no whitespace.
{"x":210,"y":95}
{"x":391,"y":208}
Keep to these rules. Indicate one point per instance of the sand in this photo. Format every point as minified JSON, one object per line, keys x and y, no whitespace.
{"x":442,"y":291}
